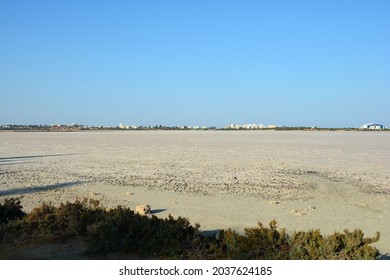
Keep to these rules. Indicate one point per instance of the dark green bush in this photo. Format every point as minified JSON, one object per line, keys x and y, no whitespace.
{"x":312,"y":245}
{"x":121,"y":230}
{"x":257,"y":243}
{"x":76,"y":217}
{"x":11,"y":209}
{"x":48,"y":220}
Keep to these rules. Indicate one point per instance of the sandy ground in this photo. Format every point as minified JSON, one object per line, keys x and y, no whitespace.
{"x":219,"y":179}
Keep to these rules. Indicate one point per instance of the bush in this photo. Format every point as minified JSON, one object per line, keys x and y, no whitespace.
{"x":257,"y":243}
{"x":273,"y":243}
{"x":312,"y":245}
{"x":11,"y":209}
{"x":121,"y":230}
{"x":48,"y":220}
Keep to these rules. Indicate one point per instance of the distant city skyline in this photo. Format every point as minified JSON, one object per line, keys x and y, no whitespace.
{"x":232,"y":126}
{"x":205,"y":63}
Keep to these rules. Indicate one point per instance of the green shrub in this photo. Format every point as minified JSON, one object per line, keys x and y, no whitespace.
{"x":273,"y":243}
{"x":48,"y":220}
{"x":41,"y":221}
{"x":257,"y":243}
{"x":11,"y":209}
{"x":75,"y":217}
{"x":312,"y":245}
{"x":121,"y":230}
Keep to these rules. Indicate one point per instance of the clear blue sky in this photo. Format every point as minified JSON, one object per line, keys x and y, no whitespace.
{"x":312,"y":63}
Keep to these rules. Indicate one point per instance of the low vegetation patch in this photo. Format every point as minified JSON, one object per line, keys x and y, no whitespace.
{"x":121,"y":230}
{"x":10,"y":209}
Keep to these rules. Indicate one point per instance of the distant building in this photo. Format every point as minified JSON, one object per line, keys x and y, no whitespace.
{"x":272,"y":126}
{"x":244,"y":126}
{"x":232,"y":126}
{"x":260,"y":126}
{"x":372,"y":126}
{"x":122,"y":126}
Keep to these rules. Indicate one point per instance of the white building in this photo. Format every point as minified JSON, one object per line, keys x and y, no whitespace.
{"x":244,"y":126}
{"x":122,"y":126}
{"x":372,"y":126}
{"x":259,"y":126}
{"x":232,"y":126}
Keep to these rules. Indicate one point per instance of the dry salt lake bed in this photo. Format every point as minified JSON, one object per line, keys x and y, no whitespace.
{"x":220,"y":179}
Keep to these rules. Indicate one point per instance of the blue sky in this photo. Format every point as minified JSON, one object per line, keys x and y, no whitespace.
{"x":311,"y":63}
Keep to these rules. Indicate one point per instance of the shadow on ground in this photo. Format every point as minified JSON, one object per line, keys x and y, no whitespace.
{"x":29,"y":190}
{"x":384,"y":257}
{"x":210,"y":233}
{"x":156,"y":211}
{"x":22,"y":159}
